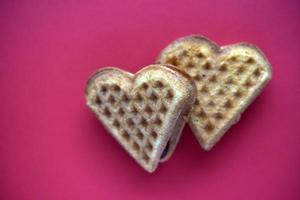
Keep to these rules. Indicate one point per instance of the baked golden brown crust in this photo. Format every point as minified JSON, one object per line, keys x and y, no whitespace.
{"x":228,"y":79}
{"x":143,"y":111}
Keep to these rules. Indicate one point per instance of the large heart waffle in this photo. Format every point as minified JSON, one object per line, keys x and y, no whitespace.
{"x":143,"y":112}
{"x":228,"y":79}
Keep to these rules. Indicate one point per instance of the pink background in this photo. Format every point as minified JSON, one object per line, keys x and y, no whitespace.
{"x":51,"y":145}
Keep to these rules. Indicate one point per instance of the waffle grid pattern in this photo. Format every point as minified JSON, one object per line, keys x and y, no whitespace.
{"x":221,"y":86}
{"x":137,"y":116}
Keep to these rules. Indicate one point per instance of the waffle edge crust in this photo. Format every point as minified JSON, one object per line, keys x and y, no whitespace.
{"x":227,"y":78}
{"x":145,"y":112}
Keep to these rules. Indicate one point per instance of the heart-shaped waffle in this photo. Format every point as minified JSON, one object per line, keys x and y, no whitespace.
{"x":143,"y":112}
{"x":227,"y":78}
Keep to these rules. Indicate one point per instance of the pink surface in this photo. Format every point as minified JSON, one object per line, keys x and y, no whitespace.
{"x":51,"y":145}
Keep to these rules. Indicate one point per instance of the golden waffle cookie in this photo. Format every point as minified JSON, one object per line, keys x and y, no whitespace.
{"x":143,"y":112}
{"x":228,"y":79}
